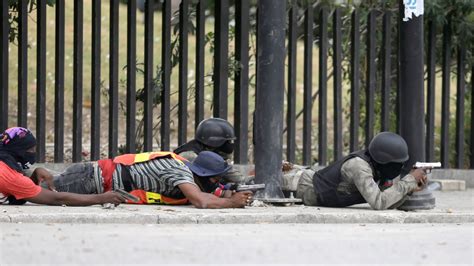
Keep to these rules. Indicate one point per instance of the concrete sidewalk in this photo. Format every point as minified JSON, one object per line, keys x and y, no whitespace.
{"x":451,"y":207}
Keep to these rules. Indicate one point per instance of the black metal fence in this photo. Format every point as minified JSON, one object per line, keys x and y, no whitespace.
{"x":374,"y":85}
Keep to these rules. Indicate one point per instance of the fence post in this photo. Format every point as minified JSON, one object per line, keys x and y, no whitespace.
{"x":200,"y":43}
{"x":460,"y":99}
{"x":59,"y":83}
{"x":241,"y":100}
{"x":472,"y":119}
{"x":371,"y":79}
{"x":95,"y":83}
{"x":221,"y":55}
{"x":291,"y":97}
{"x":23,"y":62}
{"x":308,"y":81}
{"x":412,"y":86}
{"x":41,"y":82}
{"x":113,"y":78}
{"x":445,"y":102}
{"x":4,"y":30}
{"x":270,"y":88}
{"x":148,"y":86}
{"x":131,"y":74}
{"x":355,"y":82}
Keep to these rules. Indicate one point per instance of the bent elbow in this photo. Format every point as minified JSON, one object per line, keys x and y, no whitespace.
{"x":379,"y":206}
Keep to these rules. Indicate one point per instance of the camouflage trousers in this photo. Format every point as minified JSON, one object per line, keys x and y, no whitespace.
{"x":305,"y":188}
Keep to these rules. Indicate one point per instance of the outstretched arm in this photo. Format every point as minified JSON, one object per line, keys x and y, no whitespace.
{"x":64,"y":198}
{"x":208,"y":201}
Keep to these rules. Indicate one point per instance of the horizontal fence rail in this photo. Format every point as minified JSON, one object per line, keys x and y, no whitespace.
{"x":159,"y":72}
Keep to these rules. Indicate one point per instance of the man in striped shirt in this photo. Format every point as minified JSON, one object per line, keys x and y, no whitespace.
{"x":163,"y":173}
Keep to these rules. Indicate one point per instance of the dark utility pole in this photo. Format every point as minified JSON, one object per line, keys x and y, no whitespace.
{"x":268,"y":122}
{"x":412,"y":91}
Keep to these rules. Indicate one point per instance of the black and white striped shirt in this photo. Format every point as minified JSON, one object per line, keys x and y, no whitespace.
{"x":160,"y":175}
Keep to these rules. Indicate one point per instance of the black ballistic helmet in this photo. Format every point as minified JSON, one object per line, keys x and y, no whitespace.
{"x":388,"y":147}
{"x":214,"y":132}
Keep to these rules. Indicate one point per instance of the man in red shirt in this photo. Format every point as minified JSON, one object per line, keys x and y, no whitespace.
{"x":18,"y":152}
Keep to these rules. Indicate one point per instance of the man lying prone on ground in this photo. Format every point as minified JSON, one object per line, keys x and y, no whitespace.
{"x":364,"y":176}
{"x":154,"y":177}
{"x":18,"y":152}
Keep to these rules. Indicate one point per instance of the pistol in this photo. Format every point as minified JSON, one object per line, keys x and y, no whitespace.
{"x":427,"y":165}
{"x":127,"y":195}
{"x":253,"y":188}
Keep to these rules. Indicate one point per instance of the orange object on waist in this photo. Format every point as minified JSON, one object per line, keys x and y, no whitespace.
{"x":155,"y":198}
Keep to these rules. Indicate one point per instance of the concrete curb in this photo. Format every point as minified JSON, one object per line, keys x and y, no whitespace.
{"x":313,"y":217}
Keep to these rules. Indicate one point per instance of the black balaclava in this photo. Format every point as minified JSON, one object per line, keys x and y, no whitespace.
{"x":225,"y":150}
{"x":14,"y":143}
{"x":388,"y":171}
{"x":207,"y":185}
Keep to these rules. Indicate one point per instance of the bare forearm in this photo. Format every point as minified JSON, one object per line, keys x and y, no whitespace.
{"x":212,"y":202}
{"x":78,"y":199}
{"x":64,"y":198}
{"x":205,"y":200}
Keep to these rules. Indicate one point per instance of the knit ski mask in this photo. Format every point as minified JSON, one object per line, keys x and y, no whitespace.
{"x":14,"y":145}
{"x":389,"y":171}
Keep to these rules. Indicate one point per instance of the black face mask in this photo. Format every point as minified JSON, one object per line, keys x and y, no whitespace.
{"x":227,"y":147}
{"x":27,"y":159}
{"x":389,"y":170}
{"x":207,"y":185}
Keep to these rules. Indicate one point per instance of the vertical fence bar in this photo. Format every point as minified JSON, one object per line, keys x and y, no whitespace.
{"x":200,"y":43}
{"x":399,"y":76}
{"x":148,"y":104}
{"x":113,"y":78}
{"x":386,"y":71}
{"x":291,"y":96}
{"x":461,"y":92}
{"x":22,"y":63}
{"x":471,"y":165}
{"x":77,"y":80}
{"x":41,"y":82}
{"x":4,"y":34}
{"x":446,"y":94}
{"x":241,"y":100}
{"x":355,"y":82}
{"x":323,"y":68}
{"x":221,"y":69}
{"x":95,"y":86}
{"x":337,"y":61}
{"x":431,"y":91}
{"x":59,"y":83}
{"x":131,"y":74}
{"x":183,"y":72}
{"x":166,"y":77}
{"x":371,"y":82}
{"x":308,"y":80}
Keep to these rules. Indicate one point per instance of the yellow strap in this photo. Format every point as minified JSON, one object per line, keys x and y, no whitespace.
{"x":153,"y":198}
{"x":142,"y":157}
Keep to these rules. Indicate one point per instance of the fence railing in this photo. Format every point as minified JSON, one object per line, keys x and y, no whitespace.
{"x":324,"y":30}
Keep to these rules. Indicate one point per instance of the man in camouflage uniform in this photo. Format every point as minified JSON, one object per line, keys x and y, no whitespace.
{"x":363,"y":177}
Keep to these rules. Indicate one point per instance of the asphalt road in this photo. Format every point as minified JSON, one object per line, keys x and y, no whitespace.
{"x":236,"y":243}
